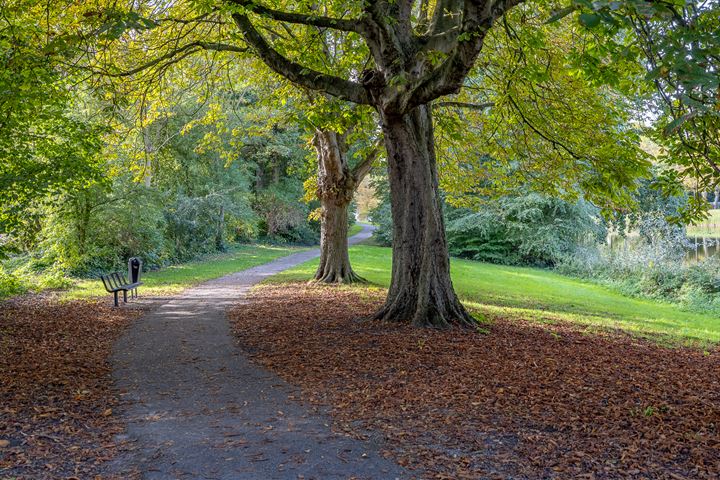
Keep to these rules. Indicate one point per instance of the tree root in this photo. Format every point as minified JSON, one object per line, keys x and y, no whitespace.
{"x":336,"y":277}
{"x":453,"y":316}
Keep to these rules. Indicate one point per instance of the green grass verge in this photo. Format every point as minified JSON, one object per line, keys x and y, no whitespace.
{"x":355,"y":228}
{"x":706,"y":228}
{"x":543,"y":296}
{"x":176,"y":278}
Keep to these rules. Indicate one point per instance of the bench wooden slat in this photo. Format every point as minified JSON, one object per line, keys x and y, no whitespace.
{"x":105,"y":283}
{"x":116,"y":282}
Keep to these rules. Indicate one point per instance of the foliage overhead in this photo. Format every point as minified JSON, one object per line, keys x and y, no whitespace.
{"x":678,"y":44}
{"x":534,"y":63}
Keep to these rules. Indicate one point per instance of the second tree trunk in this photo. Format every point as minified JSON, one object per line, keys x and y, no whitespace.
{"x":336,"y":187}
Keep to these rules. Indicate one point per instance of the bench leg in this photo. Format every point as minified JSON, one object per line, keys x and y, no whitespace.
{"x":125,"y":296}
{"x":116,"y":298}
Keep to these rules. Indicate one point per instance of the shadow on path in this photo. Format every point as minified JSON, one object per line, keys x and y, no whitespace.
{"x":197,"y":408}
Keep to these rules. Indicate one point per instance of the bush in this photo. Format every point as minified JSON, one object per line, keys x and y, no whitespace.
{"x":95,"y":230}
{"x":282,"y":217}
{"x":11,"y":284}
{"x":705,"y":276}
{"x":381,"y":217}
{"x":531,"y":229}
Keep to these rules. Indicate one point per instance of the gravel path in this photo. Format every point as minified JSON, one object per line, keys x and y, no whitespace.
{"x":198,"y":408}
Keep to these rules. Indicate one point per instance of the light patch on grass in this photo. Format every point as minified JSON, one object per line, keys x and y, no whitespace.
{"x":176,"y":278}
{"x":543,"y":296}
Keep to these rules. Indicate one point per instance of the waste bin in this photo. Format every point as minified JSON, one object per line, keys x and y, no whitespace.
{"x":134,"y":270}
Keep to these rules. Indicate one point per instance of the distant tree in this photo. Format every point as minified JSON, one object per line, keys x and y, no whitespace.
{"x":336,"y":184}
{"x":346,"y":143}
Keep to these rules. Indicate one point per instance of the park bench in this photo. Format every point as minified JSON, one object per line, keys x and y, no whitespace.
{"x":116,"y":282}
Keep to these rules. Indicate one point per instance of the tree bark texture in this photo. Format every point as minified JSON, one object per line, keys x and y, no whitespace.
{"x":421,"y":291}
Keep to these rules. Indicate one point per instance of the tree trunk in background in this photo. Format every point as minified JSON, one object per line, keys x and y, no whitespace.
{"x":421,"y":291}
{"x":220,"y":230}
{"x":334,"y":257}
{"x":149,"y":150}
{"x":336,"y":186}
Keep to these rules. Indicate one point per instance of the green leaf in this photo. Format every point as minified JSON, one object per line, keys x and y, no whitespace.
{"x":560,"y":14}
{"x":590,"y":20}
{"x":674,"y":125}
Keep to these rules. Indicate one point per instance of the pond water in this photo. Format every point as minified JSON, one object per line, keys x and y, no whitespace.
{"x":703,"y":247}
{"x":699,"y":248}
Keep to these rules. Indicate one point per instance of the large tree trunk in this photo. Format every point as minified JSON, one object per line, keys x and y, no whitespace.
{"x":336,"y":186}
{"x":421,"y":291}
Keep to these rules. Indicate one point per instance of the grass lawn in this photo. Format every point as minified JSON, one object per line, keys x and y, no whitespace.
{"x":174,"y":279}
{"x":706,"y":228}
{"x":494,"y":290}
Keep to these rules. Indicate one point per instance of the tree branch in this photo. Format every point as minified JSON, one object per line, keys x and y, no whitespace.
{"x":363,"y":168}
{"x":220,"y":47}
{"x":471,"y":106}
{"x":477,"y":19}
{"x":442,"y":31}
{"x":297,"y":73}
{"x":441,"y":42}
{"x":346,"y":25}
{"x":555,"y":143}
{"x":446,"y":16}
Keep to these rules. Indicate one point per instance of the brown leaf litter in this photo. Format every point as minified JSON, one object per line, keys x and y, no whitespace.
{"x":525,"y":400}
{"x":56,"y":397}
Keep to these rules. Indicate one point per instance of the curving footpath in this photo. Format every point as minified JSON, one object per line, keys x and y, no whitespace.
{"x":198,"y":408}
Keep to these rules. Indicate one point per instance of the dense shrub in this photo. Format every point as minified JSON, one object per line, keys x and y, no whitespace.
{"x":197,"y":225}
{"x":98,"y":229}
{"x":381,"y":217}
{"x":10,"y":284}
{"x":532,"y":229}
{"x":282,"y":218}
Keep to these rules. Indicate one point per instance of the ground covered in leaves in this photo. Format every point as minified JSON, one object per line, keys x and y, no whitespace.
{"x":525,"y":400}
{"x":56,"y":400}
